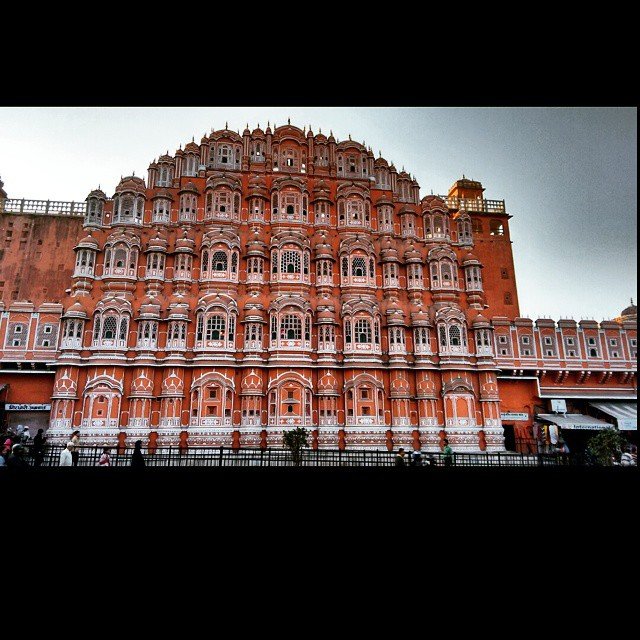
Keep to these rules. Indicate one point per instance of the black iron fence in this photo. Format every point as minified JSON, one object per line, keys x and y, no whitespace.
{"x":227,"y":457}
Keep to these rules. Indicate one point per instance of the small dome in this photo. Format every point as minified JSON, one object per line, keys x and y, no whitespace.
{"x":131,"y":183}
{"x":480,"y":321}
{"x":185,"y":242}
{"x":192,"y":147}
{"x":257,"y":132}
{"x":433,"y":202}
{"x":412,"y":254}
{"x":403,"y":175}
{"x":162,"y":193}
{"x":630,"y":312}
{"x":76,"y":310}
{"x":320,"y":185}
{"x":97,"y":193}
{"x":165,"y":158}
{"x":88,"y":242}
{"x":470,"y":258}
{"x":380,"y":162}
{"x":326,"y":314}
{"x":157,"y":244}
{"x":189,"y":187}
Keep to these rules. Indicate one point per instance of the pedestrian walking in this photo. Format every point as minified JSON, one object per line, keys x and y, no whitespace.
{"x":66,"y":458}
{"x":400,"y":458}
{"x":105,"y":458}
{"x":17,"y":458}
{"x":137,"y":459}
{"x":26,"y":434}
{"x":75,"y":450}
{"x":416,"y":458}
{"x":448,"y":453}
{"x":38,"y":448}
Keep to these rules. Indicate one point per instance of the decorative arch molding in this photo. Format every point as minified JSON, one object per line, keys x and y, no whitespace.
{"x":283,"y":238}
{"x":213,"y":377}
{"x":363,"y":378}
{"x":289,"y":376}
{"x":446,"y":314}
{"x":213,"y":300}
{"x":440,"y":252}
{"x":228,"y":237}
{"x":282,"y":302}
{"x":457,"y":385}
{"x":358,"y":242}
{"x":104,"y":380}
{"x":216,"y":182}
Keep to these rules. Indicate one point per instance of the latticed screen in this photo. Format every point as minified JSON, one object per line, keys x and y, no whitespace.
{"x":290,"y":328}
{"x":219,"y":261}
{"x":109,"y":328}
{"x":290,"y":262}
{"x":216,"y":328}
{"x":362,"y":330}
{"x":358,"y":266}
{"x":454,"y":336}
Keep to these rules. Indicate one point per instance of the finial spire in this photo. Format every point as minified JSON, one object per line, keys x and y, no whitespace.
{"x":631,"y":301}
{"x":226,"y":125}
{"x":349,"y":136}
{"x":193,"y":138}
{"x":288,"y":120}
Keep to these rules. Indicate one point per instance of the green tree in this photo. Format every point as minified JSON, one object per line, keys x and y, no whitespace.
{"x":295,"y":440}
{"x":605,"y":445}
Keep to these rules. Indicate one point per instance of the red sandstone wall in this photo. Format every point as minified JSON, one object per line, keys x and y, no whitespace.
{"x":36,"y":256}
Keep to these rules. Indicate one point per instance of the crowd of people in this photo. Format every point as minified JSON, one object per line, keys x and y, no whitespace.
{"x":20,"y":450}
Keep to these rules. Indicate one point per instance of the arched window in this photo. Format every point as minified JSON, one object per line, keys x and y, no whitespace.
{"x":290,"y":261}
{"x":161,"y":210}
{"x":290,"y":328}
{"x":219,"y":261}
{"x":215,"y":328}
{"x":362,"y":330}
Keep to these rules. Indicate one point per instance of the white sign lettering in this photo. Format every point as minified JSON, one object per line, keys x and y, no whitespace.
{"x":27,"y":407}
{"x":514,"y":416}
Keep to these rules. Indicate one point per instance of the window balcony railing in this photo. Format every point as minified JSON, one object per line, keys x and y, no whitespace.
{"x":363,"y":421}
{"x":397,"y":348}
{"x":328,"y":421}
{"x":61,"y":423}
{"x":475,"y":204}
{"x":107,"y":343}
{"x":97,"y":423}
{"x":362,"y":347}
{"x":324,"y":281}
{"x":214,"y":345}
{"x":147,"y":343}
{"x":139,"y":423}
{"x":71,"y":343}
{"x":154,"y":273}
{"x":186,"y":216}
{"x":253,"y":345}
{"x":422,"y":348}
{"x":119,"y":272}
{"x":211,"y":422}
{"x":161,"y":218}
{"x":386,"y":226}
{"x":255,"y":277}
{"x":43,"y":207}
{"x":299,"y":345}
{"x":83,"y":271}
{"x":176,"y":344}
{"x":416,"y":283}
{"x":182,"y":274}
{"x":484,"y":351}
{"x":248,"y":421}
{"x":169,"y":422}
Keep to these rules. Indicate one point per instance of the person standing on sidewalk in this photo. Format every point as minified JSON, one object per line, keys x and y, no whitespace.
{"x":448,"y":454}
{"x":66,"y":459}
{"x":400,"y":458}
{"x":137,"y":459}
{"x":75,"y":451}
{"x":38,"y":448}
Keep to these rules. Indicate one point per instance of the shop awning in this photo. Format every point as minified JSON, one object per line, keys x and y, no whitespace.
{"x":626,"y":413}
{"x":575,"y":421}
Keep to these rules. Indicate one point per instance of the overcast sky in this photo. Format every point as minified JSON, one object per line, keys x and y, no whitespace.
{"x":568,"y":175}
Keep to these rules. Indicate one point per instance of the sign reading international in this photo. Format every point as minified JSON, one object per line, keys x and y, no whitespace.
{"x":27,"y":407}
{"x":514,"y":416}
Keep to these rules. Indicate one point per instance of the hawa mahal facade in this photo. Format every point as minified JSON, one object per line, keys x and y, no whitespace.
{"x":272,"y":279}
